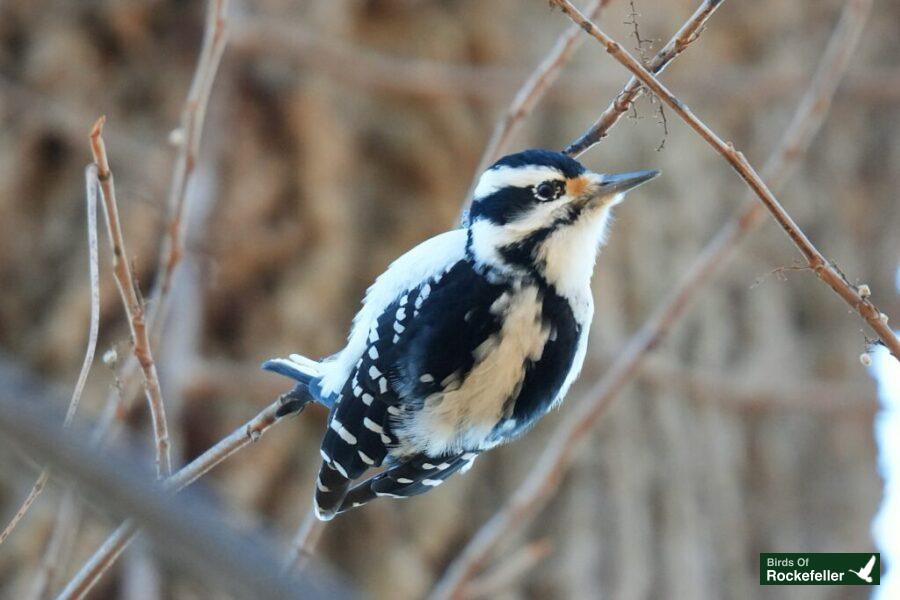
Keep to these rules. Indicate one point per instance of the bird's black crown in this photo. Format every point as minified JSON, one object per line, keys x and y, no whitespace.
{"x":539,"y":157}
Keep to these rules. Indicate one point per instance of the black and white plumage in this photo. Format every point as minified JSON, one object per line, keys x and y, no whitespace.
{"x":466,"y":340}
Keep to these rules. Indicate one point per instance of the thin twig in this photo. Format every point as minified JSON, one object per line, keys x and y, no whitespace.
{"x":134,"y":308}
{"x":533,"y":494}
{"x":91,"y":192}
{"x":62,"y":539}
{"x":303,"y":545}
{"x":815,"y":259}
{"x":514,"y":568}
{"x":109,"y":551}
{"x":633,"y":15}
{"x":36,"y":489}
{"x":688,"y":33}
{"x":532,"y":91}
{"x":190,"y":130}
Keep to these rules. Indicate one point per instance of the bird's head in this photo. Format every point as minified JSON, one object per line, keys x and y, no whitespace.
{"x":543,"y":210}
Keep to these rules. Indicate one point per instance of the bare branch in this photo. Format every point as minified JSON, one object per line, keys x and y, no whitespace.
{"x":514,"y":568}
{"x":109,"y":551}
{"x":688,"y":33}
{"x":94,"y":278}
{"x":134,"y":308}
{"x":816,"y":261}
{"x":190,"y":131}
{"x":91,"y":193}
{"x":304,"y":543}
{"x":36,"y":490}
{"x":540,"y":485}
{"x":531,"y":92}
{"x":193,"y":537}
{"x":62,"y":539}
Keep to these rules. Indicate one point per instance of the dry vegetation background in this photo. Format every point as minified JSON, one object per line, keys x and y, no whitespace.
{"x":750,"y":429}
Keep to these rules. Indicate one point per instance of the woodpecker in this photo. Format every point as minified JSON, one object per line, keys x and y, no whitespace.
{"x":468,"y":339}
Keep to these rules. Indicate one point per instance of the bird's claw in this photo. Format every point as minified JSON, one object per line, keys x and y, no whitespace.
{"x":292,"y":403}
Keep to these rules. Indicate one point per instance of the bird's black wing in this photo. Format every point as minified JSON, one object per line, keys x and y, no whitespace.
{"x":414,"y":476}
{"x":421,"y":342}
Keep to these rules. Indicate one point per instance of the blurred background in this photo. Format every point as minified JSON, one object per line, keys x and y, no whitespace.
{"x":340,"y":134}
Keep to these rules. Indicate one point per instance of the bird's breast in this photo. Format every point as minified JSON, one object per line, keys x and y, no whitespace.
{"x":535,"y":338}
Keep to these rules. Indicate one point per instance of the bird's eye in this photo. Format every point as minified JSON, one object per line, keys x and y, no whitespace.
{"x":545,"y":191}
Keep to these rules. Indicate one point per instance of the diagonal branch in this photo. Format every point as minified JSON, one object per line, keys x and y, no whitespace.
{"x":532,"y":91}
{"x":105,"y":556}
{"x":688,"y":33}
{"x":814,"y":258}
{"x":193,"y":538}
{"x":534,"y":493}
{"x":134,"y":307}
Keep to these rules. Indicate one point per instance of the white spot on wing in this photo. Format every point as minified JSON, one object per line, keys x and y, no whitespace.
{"x":372,"y":425}
{"x":341,"y":431}
{"x":340,"y":469}
{"x":388,"y":495}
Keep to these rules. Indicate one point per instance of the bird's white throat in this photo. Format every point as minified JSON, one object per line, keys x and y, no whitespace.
{"x":565,"y":258}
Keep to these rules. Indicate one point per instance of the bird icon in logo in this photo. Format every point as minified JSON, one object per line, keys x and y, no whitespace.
{"x":866,"y":572}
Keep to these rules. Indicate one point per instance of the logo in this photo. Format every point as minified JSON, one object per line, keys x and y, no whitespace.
{"x":819,"y":568}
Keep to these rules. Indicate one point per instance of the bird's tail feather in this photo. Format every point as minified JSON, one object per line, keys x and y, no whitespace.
{"x":307,"y":373}
{"x":331,"y":487}
{"x":298,"y":368}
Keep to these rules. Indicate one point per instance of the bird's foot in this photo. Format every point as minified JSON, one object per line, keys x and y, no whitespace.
{"x":293,"y":402}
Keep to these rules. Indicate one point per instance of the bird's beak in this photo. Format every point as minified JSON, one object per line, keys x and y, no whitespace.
{"x":620,"y":183}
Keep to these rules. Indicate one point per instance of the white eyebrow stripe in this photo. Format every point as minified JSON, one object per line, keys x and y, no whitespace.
{"x":501,"y":177}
